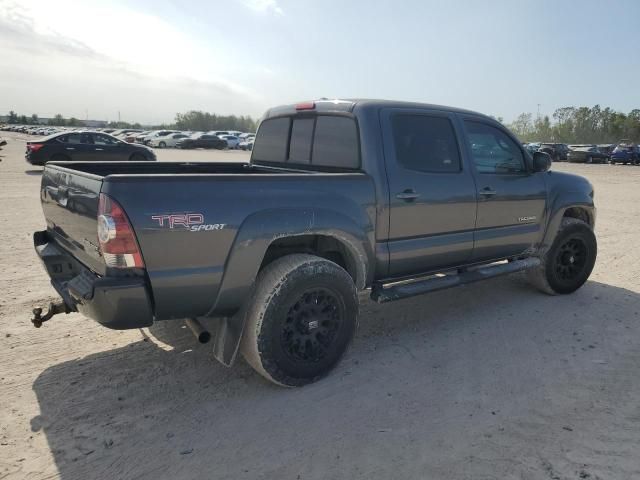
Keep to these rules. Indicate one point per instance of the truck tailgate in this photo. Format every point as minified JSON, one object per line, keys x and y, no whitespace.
{"x":70,"y":201}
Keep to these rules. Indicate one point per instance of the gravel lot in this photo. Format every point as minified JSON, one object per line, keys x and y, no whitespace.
{"x":488,"y":381}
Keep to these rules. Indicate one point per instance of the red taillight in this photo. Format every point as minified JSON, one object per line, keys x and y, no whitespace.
{"x":306,"y":106}
{"x":117,"y":240}
{"x":34,"y":147}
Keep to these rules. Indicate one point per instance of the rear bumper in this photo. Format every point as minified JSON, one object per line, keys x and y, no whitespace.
{"x":34,"y":161}
{"x":116,"y":302}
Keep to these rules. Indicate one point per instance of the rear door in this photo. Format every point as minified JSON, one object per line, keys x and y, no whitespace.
{"x":511,"y":198}
{"x":77,"y":146}
{"x":432,"y":201}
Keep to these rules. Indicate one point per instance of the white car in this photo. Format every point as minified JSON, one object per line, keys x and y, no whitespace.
{"x":167,"y":140}
{"x":146,"y":140}
{"x":232,"y":140}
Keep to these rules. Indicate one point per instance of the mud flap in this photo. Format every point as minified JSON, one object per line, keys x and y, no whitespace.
{"x":227,"y":336}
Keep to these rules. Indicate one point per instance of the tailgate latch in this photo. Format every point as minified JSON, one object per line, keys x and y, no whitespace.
{"x":54,"y":309}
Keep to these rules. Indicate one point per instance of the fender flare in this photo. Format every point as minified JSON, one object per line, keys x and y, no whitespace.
{"x":557,"y":214}
{"x":255,"y":236}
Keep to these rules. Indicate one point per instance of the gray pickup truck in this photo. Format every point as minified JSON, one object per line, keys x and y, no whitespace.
{"x":340,"y":196}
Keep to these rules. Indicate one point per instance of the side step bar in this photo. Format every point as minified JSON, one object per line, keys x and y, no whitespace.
{"x":381,"y":294}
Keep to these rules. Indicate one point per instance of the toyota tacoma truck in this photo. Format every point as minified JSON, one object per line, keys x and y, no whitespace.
{"x":339,"y":197}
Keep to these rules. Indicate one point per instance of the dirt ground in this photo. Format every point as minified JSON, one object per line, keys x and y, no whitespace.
{"x":488,"y":381}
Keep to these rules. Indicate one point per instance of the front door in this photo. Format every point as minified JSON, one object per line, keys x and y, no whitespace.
{"x":511,"y":198}
{"x":432,"y":204}
{"x":105,"y":148}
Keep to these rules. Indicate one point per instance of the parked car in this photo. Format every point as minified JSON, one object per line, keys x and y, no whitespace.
{"x":131,"y":136}
{"x":531,"y":147}
{"x":85,"y":146}
{"x":557,"y":151}
{"x":232,"y":140}
{"x":146,"y":140}
{"x":625,"y":152}
{"x":606,"y":149}
{"x":586,"y":154}
{"x":202,"y":140}
{"x":279,"y":248}
{"x":167,"y":140}
{"x":246,"y":145}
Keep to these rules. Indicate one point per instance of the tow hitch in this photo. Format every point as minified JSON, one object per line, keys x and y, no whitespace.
{"x":54,"y":309}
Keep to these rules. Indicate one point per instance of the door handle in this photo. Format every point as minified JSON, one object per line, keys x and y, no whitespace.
{"x":487,"y":192}
{"x":408,"y":195}
{"x":70,"y":148}
{"x":99,"y":149}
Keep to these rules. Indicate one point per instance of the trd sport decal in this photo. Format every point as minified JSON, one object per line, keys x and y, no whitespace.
{"x":191,"y":221}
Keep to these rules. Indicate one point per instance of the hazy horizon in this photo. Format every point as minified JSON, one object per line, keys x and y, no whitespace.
{"x":150,"y":60}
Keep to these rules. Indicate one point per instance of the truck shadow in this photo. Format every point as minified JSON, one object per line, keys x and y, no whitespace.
{"x":163,"y":408}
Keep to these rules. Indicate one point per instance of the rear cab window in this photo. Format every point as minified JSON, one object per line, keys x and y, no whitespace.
{"x":326,"y":142}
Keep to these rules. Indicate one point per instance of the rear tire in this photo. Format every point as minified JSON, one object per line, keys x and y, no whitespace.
{"x":59,"y":158}
{"x":300,"y":319}
{"x":566,"y":266}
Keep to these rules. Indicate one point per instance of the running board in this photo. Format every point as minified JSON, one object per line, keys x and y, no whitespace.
{"x":381,"y":294}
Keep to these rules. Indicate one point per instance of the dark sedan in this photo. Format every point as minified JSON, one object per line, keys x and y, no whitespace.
{"x":84,"y":147}
{"x":202,"y":141}
{"x":586,"y":154}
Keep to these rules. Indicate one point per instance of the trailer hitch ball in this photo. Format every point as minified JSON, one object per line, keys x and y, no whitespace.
{"x":54,"y":309}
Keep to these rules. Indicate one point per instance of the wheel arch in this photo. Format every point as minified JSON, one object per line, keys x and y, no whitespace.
{"x":267,"y":236}
{"x":581,"y":211}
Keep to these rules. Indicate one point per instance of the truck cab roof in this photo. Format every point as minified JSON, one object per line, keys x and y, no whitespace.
{"x":350,"y":105}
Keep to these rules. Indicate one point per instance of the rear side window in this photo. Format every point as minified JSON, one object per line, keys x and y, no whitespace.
{"x":272,"y":140}
{"x":335,"y":143}
{"x":425,"y":143}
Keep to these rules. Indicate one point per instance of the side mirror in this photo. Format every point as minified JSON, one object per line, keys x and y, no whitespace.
{"x":541,"y":162}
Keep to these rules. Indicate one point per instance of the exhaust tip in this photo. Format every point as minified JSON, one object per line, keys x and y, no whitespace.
{"x":204,"y":337}
{"x":201,"y":333}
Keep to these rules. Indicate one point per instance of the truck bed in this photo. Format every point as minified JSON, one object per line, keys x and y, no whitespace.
{"x":103,"y":169}
{"x":240,"y":207}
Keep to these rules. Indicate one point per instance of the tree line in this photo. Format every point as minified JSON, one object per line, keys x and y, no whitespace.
{"x":576,"y":125}
{"x":193,"y":120}
{"x":204,"y":121}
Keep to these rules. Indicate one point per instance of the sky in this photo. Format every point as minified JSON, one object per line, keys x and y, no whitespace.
{"x":148,"y":60}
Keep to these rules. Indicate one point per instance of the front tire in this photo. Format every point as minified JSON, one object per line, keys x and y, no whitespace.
{"x":162,"y":144}
{"x":138,"y":157}
{"x":566,"y":266}
{"x":300,"y":320}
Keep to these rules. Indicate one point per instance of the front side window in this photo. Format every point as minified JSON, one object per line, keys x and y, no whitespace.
{"x":492,"y":150}
{"x":103,"y":140}
{"x":425,"y":143}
